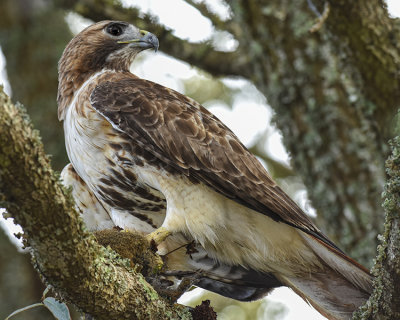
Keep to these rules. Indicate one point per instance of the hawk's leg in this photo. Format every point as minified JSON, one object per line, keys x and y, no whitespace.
{"x":158,"y":236}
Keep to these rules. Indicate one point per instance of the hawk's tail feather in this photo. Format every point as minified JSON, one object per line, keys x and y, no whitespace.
{"x":350,"y":269}
{"x":332,"y":296}
{"x":338,"y":289}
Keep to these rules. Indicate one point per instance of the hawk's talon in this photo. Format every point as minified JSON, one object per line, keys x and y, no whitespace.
{"x":157,"y":236}
{"x":153,"y":245}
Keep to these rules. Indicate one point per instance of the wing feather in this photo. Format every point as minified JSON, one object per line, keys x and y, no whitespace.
{"x":183,"y":134}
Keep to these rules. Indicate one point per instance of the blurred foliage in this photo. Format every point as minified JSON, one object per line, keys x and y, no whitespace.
{"x":33,"y":35}
{"x":276,"y":168}
{"x":206,"y":89}
{"x":19,"y":283}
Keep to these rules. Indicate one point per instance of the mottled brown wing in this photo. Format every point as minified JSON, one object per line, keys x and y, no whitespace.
{"x":183,"y":134}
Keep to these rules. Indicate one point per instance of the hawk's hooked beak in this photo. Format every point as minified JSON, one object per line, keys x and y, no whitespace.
{"x":147,"y":41}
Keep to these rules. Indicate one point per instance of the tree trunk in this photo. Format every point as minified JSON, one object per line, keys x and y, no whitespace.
{"x":384,"y":303}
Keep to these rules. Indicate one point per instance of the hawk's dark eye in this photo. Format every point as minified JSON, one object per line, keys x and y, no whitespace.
{"x":114,"y":30}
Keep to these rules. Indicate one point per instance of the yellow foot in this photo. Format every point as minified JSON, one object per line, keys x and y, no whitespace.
{"x":158,"y":236}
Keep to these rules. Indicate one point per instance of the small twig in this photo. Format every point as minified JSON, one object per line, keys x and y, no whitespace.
{"x":321,"y":19}
{"x":313,"y":8}
{"x":176,"y":249}
{"x":24,"y":309}
{"x":45,"y":292}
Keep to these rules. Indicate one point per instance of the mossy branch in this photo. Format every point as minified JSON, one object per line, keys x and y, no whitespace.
{"x":67,"y":256}
{"x":384,"y":303}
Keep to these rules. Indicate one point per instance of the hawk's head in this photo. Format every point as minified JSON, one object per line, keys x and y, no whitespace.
{"x":104,"y":45}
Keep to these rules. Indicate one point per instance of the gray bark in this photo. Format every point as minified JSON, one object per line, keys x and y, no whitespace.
{"x":384,"y":303}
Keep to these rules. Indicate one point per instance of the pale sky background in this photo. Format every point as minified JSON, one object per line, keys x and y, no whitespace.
{"x":247,"y":118}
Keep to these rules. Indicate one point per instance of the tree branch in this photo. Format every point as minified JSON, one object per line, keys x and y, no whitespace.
{"x":95,"y":279}
{"x":229,"y":25}
{"x":207,"y":13}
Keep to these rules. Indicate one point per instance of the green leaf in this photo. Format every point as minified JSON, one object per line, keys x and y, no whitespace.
{"x":58,"y":309}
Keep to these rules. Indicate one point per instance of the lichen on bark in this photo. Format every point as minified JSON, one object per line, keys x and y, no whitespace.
{"x":384,"y":303}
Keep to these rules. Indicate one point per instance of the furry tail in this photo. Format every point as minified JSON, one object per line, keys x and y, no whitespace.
{"x":341,"y":286}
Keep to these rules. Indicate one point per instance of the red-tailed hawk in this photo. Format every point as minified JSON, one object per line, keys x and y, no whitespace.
{"x":146,"y":157}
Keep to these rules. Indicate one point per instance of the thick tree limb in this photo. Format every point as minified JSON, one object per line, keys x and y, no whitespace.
{"x":66,"y":255}
{"x":369,"y":40}
{"x":384,"y":303}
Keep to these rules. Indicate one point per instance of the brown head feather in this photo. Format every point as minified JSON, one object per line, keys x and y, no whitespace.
{"x":95,"y":49}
